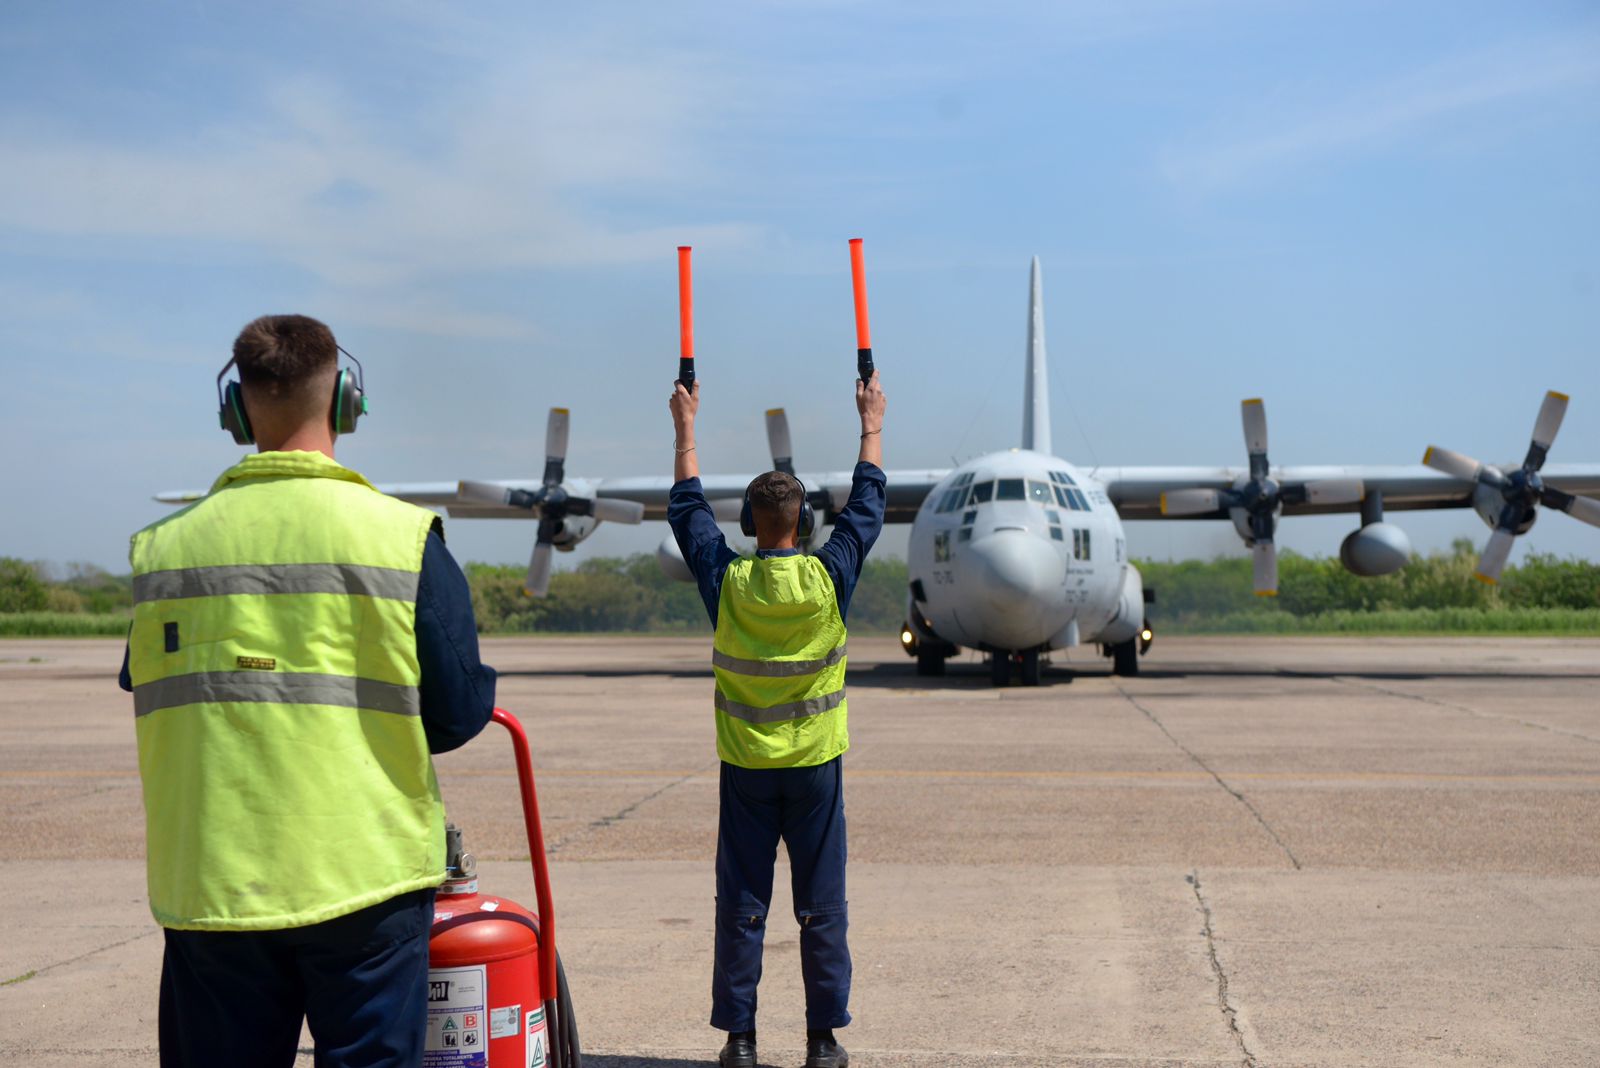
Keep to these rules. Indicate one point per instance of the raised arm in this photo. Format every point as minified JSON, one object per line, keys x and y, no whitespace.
{"x":686,"y":464}
{"x":870,"y":403}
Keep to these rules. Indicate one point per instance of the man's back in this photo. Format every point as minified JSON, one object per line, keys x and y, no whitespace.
{"x":275,"y":674}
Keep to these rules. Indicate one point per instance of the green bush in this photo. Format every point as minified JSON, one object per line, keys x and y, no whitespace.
{"x":21,"y":588}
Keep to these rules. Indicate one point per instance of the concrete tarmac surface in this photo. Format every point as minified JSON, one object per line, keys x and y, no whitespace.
{"x":1261,"y":851}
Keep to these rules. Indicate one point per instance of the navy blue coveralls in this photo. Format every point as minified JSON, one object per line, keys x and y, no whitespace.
{"x":236,"y":998}
{"x":802,"y":806}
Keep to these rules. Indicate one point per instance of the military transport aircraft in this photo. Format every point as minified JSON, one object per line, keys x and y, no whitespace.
{"x":1017,"y":553}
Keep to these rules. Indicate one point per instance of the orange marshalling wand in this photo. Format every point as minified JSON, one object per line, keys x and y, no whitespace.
{"x":858,"y":279}
{"x":685,"y":320}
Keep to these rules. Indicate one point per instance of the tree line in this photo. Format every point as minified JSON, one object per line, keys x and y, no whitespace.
{"x":1435,"y":592}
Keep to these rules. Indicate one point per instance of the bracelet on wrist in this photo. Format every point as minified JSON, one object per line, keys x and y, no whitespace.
{"x":869,"y":433}
{"x":679,"y":451}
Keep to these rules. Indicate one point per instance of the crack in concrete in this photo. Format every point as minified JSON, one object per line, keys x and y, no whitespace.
{"x":1478,"y":713}
{"x":1192,"y":755}
{"x":617,"y":817}
{"x":1229,"y":1013}
{"x":35,"y":973}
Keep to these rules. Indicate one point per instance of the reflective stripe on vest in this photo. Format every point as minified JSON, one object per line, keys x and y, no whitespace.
{"x":285,"y":769}
{"x":779,"y":660}
{"x":812,"y":706}
{"x":275,"y":687}
{"x":774,"y":669}
{"x":226,"y":579}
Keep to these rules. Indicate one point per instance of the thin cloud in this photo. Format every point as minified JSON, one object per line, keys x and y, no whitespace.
{"x":1380,"y":116}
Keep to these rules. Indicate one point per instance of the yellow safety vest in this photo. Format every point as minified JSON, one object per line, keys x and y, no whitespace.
{"x":286,"y":774}
{"x":779,"y":660}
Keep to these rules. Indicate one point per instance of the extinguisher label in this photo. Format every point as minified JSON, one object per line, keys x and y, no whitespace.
{"x":538,"y":1054}
{"x":457,"y":1019}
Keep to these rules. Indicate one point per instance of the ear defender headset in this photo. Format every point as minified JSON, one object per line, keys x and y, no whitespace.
{"x":808,"y":519}
{"x":349,"y":403}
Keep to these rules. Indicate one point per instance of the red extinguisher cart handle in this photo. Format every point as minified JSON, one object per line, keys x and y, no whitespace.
{"x":541,"y":872}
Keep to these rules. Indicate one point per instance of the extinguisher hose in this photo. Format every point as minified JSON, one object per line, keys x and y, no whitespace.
{"x":564,"y":1049}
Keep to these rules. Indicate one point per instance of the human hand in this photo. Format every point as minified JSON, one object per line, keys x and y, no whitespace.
{"x":684,"y":405}
{"x":870,"y":403}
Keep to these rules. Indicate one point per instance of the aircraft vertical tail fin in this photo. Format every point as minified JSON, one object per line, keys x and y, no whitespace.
{"x":1036,"y":382}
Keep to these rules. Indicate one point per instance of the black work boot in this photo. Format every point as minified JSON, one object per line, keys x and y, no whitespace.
{"x":739,"y":1051}
{"x":824,"y":1051}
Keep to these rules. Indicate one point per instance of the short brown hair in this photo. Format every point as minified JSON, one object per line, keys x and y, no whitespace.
{"x":283,"y":351}
{"x":775,"y":498}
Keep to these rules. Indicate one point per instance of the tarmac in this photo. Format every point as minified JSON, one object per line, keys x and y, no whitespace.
{"x":1260,"y":851}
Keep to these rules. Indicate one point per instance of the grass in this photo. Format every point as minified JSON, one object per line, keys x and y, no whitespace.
{"x":1531,"y":622}
{"x":23,"y":978}
{"x":63,"y":625}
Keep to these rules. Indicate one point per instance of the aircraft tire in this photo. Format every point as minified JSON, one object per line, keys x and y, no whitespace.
{"x":1125,"y":658}
{"x":1030,"y":667}
{"x":1000,"y":668}
{"x":930,"y":662}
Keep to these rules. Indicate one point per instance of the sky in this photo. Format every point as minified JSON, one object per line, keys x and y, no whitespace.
{"x":1380,"y":218}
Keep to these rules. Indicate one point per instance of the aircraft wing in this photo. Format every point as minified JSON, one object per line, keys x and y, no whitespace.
{"x":906,"y":490}
{"x":1137,"y":491}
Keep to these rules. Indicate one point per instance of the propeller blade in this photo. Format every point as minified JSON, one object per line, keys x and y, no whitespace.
{"x":1583,"y":509}
{"x":727,"y":509}
{"x":537,"y":581}
{"x":482,"y":492}
{"x":1551,"y":412}
{"x":1190,"y":502}
{"x":1493,"y":560}
{"x":1266,"y":568}
{"x":778,"y":441}
{"x":555,"y":447}
{"x":1452,"y":463}
{"x":1254,"y":415}
{"x":1335,"y":491}
{"x":613,"y":510}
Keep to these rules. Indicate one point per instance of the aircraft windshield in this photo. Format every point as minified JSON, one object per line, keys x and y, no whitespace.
{"x":1010,"y":490}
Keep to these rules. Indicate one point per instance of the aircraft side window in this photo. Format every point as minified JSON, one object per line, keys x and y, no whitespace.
{"x":1080,"y":544}
{"x":1039,"y":491}
{"x":1052,"y":517}
{"x":982,"y":492}
{"x":1062,"y":498}
{"x":1079,"y":500}
{"x":964,"y":534}
{"x":967,"y":518}
{"x":965,"y":479}
{"x":1055,"y":534}
{"x":941,"y":547}
{"x":1063,"y":478}
{"x":952,"y":500}
{"x":1010,"y":489}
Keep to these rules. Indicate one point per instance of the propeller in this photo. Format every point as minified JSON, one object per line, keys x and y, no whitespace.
{"x":1257,"y":500}
{"x":1521,"y":489}
{"x":781,"y":445}
{"x":551,"y":502}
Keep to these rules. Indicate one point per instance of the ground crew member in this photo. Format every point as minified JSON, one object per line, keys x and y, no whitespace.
{"x":779,"y":660}
{"x":300,"y":644}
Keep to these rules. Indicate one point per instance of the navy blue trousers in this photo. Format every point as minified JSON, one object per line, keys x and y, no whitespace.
{"x":235,"y":999}
{"x":805,"y":808}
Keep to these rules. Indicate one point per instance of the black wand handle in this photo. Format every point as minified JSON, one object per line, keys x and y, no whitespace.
{"x":686,"y":373}
{"x":864,"y":364}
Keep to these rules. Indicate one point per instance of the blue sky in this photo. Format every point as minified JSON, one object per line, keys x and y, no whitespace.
{"x":1382,"y":218}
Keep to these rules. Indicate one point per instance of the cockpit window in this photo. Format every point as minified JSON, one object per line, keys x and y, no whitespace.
{"x":982,"y":492}
{"x":1010,"y":489}
{"x":1039,"y":491}
{"x":1062,"y":477}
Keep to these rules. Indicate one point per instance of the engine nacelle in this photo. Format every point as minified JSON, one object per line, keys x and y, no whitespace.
{"x":1375,"y":549}
{"x":1128,"y":621}
{"x":671,"y":561}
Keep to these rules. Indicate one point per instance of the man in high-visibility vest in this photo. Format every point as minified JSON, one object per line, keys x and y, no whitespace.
{"x":779,"y":661}
{"x":300,"y":644}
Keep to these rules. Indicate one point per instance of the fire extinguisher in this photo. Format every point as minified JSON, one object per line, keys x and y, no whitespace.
{"x":497,"y":993}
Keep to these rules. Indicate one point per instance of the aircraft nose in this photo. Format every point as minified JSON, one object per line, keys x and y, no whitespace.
{"x":1019,"y":575}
